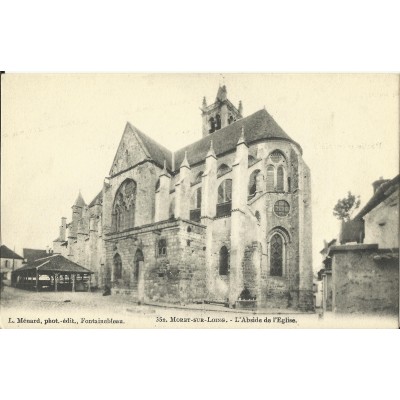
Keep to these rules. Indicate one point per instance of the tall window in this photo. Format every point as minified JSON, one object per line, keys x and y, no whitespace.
{"x":217,"y":122}
{"x":172,"y":209}
{"x":123,"y":216}
{"x":224,"y":206}
{"x":253,"y":182}
{"x":279,"y":179}
{"x":195,"y":208}
{"x":276,"y":172}
{"x":212,"y":125}
{"x":270,"y":178}
{"x":117,"y":267}
{"x":276,"y":255}
{"x":223,"y":261}
{"x":162,"y":247}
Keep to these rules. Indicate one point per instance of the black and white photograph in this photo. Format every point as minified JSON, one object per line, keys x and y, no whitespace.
{"x":207,"y":200}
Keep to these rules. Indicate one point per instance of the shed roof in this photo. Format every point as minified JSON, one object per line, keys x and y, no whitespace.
{"x":54,"y":263}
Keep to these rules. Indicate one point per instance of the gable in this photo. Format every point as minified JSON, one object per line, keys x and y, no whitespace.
{"x":131,"y":151}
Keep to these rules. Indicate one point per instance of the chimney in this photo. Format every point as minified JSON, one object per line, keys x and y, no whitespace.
{"x":378,"y":183}
{"x":63,"y":229}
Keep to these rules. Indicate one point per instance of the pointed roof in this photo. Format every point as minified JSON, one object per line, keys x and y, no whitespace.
{"x":79,"y":202}
{"x":54,"y":263}
{"x":153,"y":150}
{"x":5,"y":252}
{"x":259,"y":126}
{"x":185,"y":162}
{"x":98,"y":199}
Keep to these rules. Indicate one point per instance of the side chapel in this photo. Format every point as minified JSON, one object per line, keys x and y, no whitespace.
{"x":226,"y":219}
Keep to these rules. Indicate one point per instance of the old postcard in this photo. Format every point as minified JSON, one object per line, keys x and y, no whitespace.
{"x":199,"y":200}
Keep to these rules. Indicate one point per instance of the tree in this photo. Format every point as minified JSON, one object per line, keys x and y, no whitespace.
{"x":344,"y":208}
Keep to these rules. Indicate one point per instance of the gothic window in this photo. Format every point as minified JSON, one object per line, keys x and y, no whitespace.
{"x":222,"y":170}
{"x":252,"y":187}
{"x":117,"y":267}
{"x":279,"y":179}
{"x":258,"y":216}
{"x":217,"y":122}
{"x":223,"y":261}
{"x":172,"y":209}
{"x":123,"y":215}
{"x":289,"y":184}
{"x":276,"y":255}
{"x":198,"y":177}
{"x":196,"y":199}
{"x":224,"y":205}
{"x":225,"y":191}
{"x":195,"y":208}
{"x":276,"y":172}
{"x":212,"y":125}
{"x":270,"y":178}
{"x":162,"y":247}
{"x":230,"y":119}
{"x":281,"y":208}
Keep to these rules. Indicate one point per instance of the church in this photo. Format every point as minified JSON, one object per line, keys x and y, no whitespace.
{"x":224,"y":220}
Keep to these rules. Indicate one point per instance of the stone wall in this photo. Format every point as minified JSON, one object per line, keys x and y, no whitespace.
{"x":364,"y":280}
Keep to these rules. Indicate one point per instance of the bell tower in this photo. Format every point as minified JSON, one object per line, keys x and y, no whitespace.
{"x":219,"y":114}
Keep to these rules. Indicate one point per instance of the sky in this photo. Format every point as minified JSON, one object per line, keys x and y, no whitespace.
{"x":60,"y":133}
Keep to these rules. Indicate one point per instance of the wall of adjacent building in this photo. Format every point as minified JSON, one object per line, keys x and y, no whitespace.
{"x":363,"y":282}
{"x":382,"y":223}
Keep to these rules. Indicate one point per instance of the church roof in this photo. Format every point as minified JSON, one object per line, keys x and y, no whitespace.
{"x":98,"y":199}
{"x":257,"y":127}
{"x":5,"y":252}
{"x":156,"y":151}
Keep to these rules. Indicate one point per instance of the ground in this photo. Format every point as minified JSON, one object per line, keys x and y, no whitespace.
{"x":26,"y":309}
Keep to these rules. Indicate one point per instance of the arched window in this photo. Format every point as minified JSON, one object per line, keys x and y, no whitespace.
{"x":117,"y":267}
{"x":276,"y":172}
{"x":230,"y":119}
{"x":270,"y":178}
{"x":276,"y":255}
{"x":123,"y":215}
{"x":224,"y":206}
{"x":196,"y":199}
{"x":258,"y":216}
{"x":195,"y":208}
{"x":222,"y":170}
{"x":198,"y":177}
{"x":279,"y":179}
{"x":223,"y":261}
{"x":212,"y":125}
{"x":217,"y":122}
{"x":252,"y":187}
